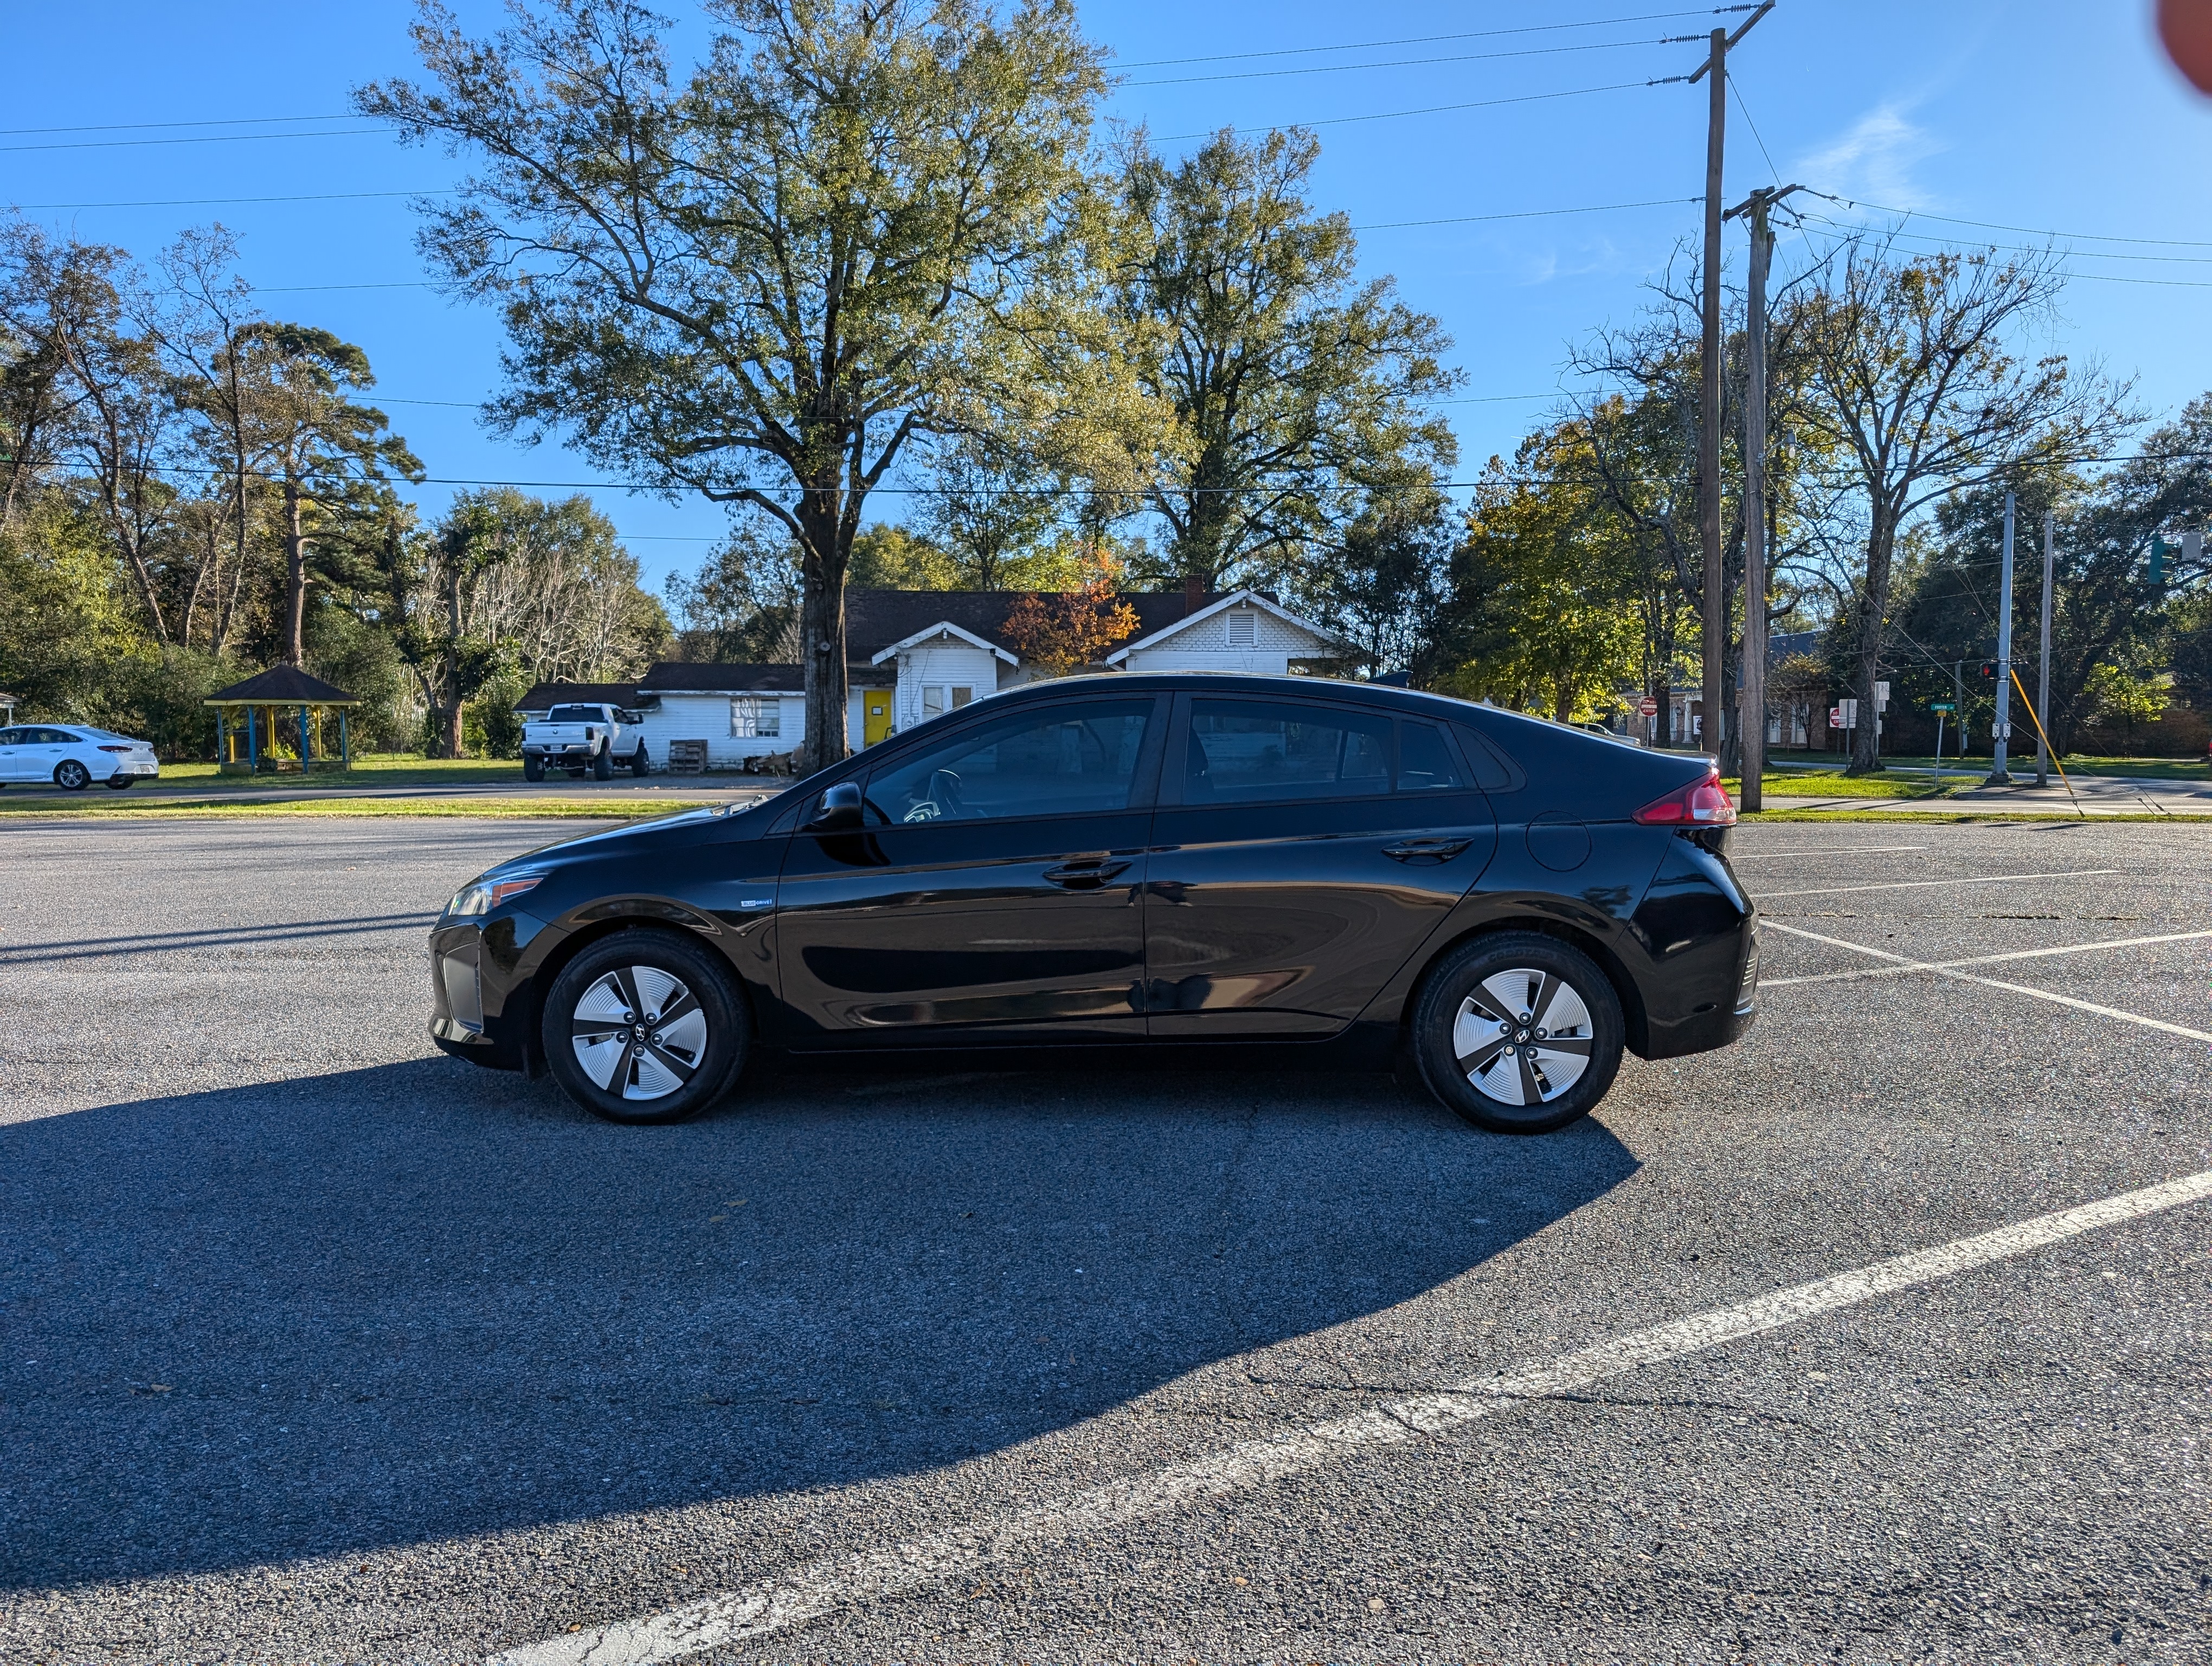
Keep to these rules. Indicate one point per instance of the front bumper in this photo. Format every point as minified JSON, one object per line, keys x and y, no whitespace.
{"x":470,"y":1014}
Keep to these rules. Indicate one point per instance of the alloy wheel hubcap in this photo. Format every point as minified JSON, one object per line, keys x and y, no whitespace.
{"x":1522,"y":1036}
{"x":639,"y":1033}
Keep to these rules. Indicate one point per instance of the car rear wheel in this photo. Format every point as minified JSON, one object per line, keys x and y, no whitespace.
{"x":72,"y":776}
{"x":645,"y":1026}
{"x":119,"y":782}
{"x":1519,"y":1033}
{"x":603,"y":766}
{"x":533,"y":768}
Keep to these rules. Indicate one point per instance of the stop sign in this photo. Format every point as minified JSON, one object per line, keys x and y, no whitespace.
{"x":1649,"y":706}
{"x":2186,"y":27}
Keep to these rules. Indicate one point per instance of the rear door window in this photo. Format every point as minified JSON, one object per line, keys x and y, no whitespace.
{"x":1260,"y":751}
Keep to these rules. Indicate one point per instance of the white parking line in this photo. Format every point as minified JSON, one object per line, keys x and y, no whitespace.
{"x":1811,"y":850}
{"x":808,"y":1593}
{"x":1922,"y":884}
{"x":1976,"y":960}
{"x":1907,"y":964}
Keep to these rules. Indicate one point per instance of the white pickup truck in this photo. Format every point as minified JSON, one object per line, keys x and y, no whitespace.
{"x":579,"y":738}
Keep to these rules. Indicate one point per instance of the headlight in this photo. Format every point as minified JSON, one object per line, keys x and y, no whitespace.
{"x":486,"y":895}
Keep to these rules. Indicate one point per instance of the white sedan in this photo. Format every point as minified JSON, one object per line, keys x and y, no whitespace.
{"x":73,"y":756}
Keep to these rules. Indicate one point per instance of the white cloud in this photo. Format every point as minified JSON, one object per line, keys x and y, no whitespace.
{"x":1874,"y":162}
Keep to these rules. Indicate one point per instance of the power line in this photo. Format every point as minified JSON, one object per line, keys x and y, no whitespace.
{"x":207,"y":121}
{"x":205,"y":138}
{"x":212,"y":202}
{"x":1425,"y":39}
{"x":1995,"y":225}
{"x":1531,"y":213}
{"x":1427,"y":110}
{"x":1396,"y":63}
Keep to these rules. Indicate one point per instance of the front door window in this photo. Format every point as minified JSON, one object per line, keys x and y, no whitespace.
{"x":1067,"y":760}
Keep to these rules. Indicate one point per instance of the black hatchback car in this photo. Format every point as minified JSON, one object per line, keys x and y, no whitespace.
{"x":1179,"y":861}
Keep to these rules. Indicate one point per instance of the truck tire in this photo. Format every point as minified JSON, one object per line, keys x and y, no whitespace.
{"x":603,"y":766}
{"x":533,"y":767}
{"x":640,"y":761}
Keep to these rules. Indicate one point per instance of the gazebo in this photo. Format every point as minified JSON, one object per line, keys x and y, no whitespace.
{"x":261,"y":698}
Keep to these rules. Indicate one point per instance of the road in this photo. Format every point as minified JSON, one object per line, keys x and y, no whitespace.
{"x":321,"y":1347}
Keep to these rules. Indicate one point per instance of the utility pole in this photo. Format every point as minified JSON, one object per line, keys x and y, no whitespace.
{"x":1715,"y":609}
{"x":2043,"y":680}
{"x":2001,"y":731}
{"x":1750,"y":687}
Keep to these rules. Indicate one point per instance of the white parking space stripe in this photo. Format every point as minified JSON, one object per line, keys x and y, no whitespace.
{"x":1906,"y":964}
{"x":1978,"y":960}
{"x":808,"y":1593}
{"x":1924,"y":885}
{"x":1811,"y":851}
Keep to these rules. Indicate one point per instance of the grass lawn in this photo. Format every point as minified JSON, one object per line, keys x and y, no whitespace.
{"x":2141,"y":768}
{"x":1825,"y":784}
{"x":369,"y":770}
{"x":507,"y":809}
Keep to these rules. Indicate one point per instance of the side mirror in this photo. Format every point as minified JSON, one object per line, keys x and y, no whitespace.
{"x":839,"y":811}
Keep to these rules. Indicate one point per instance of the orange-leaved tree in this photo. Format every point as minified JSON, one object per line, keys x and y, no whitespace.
{"x":1064,"y":632}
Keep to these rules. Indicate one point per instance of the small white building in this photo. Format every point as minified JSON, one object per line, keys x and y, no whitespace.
{"x":913,"y":654}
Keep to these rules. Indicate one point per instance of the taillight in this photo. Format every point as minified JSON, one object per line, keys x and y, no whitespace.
{"x":114,"y":749}
{"x":1701,"y":803}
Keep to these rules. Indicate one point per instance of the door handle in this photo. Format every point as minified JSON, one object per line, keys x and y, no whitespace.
{"x":1086,"y":875}
{"x":1434,"y":850}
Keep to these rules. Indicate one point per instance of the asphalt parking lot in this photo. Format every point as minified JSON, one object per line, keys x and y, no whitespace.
{"x":317,"y":1347}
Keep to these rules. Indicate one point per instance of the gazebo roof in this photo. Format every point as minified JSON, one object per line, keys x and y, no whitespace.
{"x":281,"y":685}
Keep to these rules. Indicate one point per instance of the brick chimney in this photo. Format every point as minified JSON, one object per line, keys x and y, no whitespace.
{"x":1194,"y":593}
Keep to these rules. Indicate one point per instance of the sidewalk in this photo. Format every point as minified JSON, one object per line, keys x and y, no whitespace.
{"x":2093,"y":795}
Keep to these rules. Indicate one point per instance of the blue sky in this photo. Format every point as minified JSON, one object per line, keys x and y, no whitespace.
{"x":2036,"y":113}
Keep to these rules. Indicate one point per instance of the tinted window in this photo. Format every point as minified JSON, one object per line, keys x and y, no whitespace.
{"x":15,"y":737}
{"x":53,"y":737}
{"x":1425,"y":764}
{"x":575,"y":714}
{"x":1059,"y":761}
{"x":1253,"y":751}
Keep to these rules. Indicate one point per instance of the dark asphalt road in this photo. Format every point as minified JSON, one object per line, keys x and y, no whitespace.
{"x":321,"y":1347}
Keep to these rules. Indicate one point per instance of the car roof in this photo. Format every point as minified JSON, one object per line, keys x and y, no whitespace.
{"x":1223,"y":682}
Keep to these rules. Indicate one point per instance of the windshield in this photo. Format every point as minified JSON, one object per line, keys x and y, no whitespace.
{"x":575,"y":714}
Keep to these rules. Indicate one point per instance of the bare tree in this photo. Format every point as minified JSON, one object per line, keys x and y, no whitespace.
{"x":1915,"y":389}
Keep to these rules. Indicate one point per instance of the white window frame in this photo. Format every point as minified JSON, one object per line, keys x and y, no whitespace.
{"x":756,"y":717}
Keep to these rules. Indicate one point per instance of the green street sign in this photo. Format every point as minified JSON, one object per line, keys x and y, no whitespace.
{"x":1942,"y":706}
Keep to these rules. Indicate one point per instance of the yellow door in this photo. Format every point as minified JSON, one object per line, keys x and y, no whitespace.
{"x":876,"y":724}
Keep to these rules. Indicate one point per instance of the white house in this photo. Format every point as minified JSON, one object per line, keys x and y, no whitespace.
{"x":915,"y":653}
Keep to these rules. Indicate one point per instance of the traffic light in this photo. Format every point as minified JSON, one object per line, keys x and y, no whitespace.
{"x":1989,"y":671}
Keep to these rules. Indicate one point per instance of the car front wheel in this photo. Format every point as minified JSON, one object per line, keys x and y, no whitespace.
{"x":603,"y":766}
{"x":1519,"y":1033}
{"x":640,"y":761}
{"x":71,"y":777}
{"x":645,"y":1026}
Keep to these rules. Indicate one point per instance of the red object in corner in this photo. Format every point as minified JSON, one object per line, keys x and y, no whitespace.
{"x":2186,"y":27}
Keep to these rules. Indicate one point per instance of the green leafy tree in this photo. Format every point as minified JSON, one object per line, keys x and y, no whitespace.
{"x":762,"y":283}
{"x":1293,"y":396}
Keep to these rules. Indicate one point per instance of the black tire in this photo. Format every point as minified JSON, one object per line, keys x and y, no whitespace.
{"x":533,"y":768}
{"x":603,"y":766}
{"x":640,"y":761}
{"x":71,"y":777}
{"x":619,"y":1070}
{"x":119,"y":782}
{"x":1482,"y":1068}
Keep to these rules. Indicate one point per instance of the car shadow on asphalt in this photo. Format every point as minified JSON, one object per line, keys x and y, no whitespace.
{"x":421,"y":1300}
